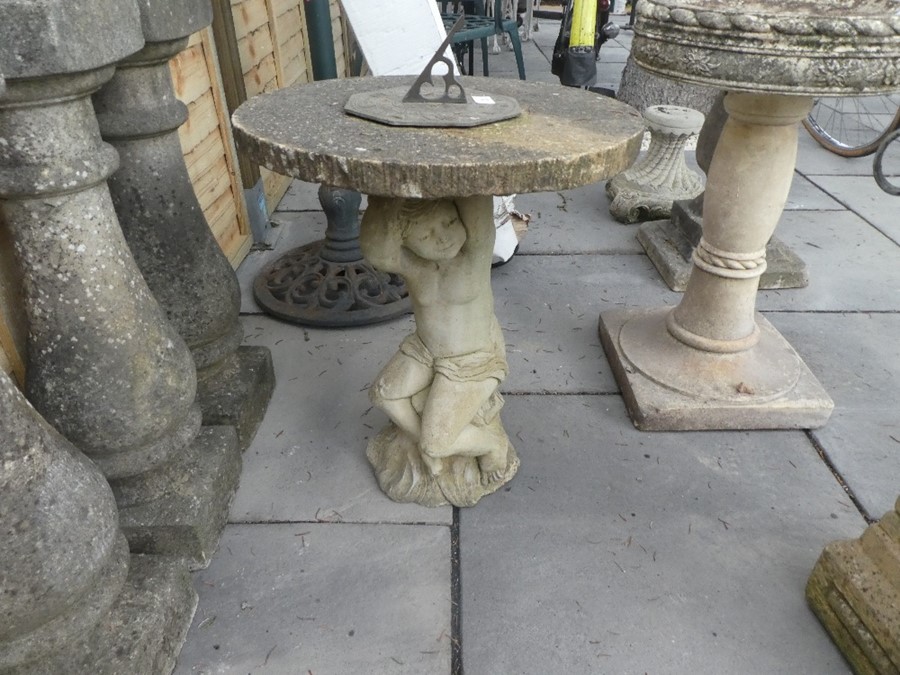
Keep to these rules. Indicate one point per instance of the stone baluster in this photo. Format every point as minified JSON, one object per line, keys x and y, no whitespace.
{"x":164,"y":224}
{"x":647,"y":190}
{"x":105,"y":367}
{"x":67,"y":591}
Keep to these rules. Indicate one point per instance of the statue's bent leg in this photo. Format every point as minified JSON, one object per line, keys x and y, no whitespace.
{"x":402,"y":378}
{"x":448,"y":421}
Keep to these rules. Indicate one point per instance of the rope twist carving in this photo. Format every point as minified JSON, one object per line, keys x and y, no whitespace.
{"x":727,"y":264}
{"x":845,"y":27}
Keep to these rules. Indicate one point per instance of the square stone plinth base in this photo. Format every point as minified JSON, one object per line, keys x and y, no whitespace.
{"x":238,"y":394}
{"x":143,"y":631}
{"x":670,"y":249}
{"x":188,"y":519}
{"x":854,"y":589}
{"x":653,"y":406}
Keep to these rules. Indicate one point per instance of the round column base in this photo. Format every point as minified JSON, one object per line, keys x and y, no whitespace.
{"x":303,"y":288}
{"x":669,"y":386}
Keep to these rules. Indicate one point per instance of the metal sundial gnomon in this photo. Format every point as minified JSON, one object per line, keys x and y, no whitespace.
{"x":453,"y":108}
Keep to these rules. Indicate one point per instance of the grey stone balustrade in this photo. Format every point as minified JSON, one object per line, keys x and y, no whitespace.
{"x":104,"y":365}
{"x":164,"y":225}
{"x":72,"y":599}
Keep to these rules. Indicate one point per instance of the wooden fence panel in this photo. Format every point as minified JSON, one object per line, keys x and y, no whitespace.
{"x":208,"y":146}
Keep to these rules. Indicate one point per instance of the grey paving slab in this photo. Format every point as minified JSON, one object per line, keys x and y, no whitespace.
{"x":307,"y":461}
{"x":548,"y":307}
{"x":862,"y":195}
{"x":574,"y":221}
{"x":292,"y":599}
{"x":813,"y":159}
{"x":856,"y":357}
{"x":616,"y":551}
{"x":852,"y":266}
{"x":805,"y":195}
{"x":300,"y":196}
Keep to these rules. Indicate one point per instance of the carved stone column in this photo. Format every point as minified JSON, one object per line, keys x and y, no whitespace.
{"x":670,"y":243}
{"x":68,"y":601}
{"x":712,"y":363}
{"x":164,"y":225}
{"x":105,"y":367}
{"x":854,"y":589}
{"x":647,"y":190}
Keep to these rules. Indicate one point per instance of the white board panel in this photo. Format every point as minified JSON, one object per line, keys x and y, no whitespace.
{"x":397,"y":37}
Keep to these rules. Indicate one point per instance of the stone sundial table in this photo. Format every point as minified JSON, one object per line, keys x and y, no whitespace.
{"x":712,"y":362}
{"x":430,"y":219}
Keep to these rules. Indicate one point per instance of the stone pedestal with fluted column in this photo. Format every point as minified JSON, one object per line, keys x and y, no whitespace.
{"x":712,"y":362}
{"x":165,"y":227}
{"x":105,"y":366}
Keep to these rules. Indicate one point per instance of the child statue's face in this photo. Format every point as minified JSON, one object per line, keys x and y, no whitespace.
{"x":439,"y":236}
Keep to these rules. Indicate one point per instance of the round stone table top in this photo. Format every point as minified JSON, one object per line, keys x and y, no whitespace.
{"x":803,"y":47}
{"x":564,"y":138}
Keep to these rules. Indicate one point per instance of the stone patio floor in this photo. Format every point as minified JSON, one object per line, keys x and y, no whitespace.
{"x":613,"y":550}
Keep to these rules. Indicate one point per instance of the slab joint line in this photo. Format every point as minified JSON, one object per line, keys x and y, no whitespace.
{"x":820,"y":449}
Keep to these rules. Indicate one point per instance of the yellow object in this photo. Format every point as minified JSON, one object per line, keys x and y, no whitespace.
{"x":584,"y":23}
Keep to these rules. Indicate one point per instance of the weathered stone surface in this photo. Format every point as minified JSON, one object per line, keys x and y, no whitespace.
{"x":445,"y":443}
{"x":641,"y":89}
{"x":194,"y":492}
{"x":237,"y":392}
{"x":775,"y":48}
{"x":555,"y":144}
{"x":646,"y":190}
{"x":59,"y":574}
{"x":854,"y":589}
{"x":144,"y":629}
{"x":105,"y":367}
{"x":670,"y":386}
{"x":164,"y":20}
{"x":71,"y":598}
{"x":772,"y":58}
{"x":163,"y":222}
{"x":48,"y":37}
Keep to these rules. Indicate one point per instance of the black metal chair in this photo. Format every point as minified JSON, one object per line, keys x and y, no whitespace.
{"x":480,"y":27}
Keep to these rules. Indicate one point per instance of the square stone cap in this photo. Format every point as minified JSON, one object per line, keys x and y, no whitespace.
{"x":164,"y":20}
{"x":564,"y":138}
{"x":802,"y":47}
{"x":53,"y":37}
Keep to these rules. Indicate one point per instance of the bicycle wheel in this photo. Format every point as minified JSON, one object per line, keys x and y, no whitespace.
{"x":853,"y":126}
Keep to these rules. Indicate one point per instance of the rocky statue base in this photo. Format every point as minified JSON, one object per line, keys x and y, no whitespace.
{"x":404,"y":477}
